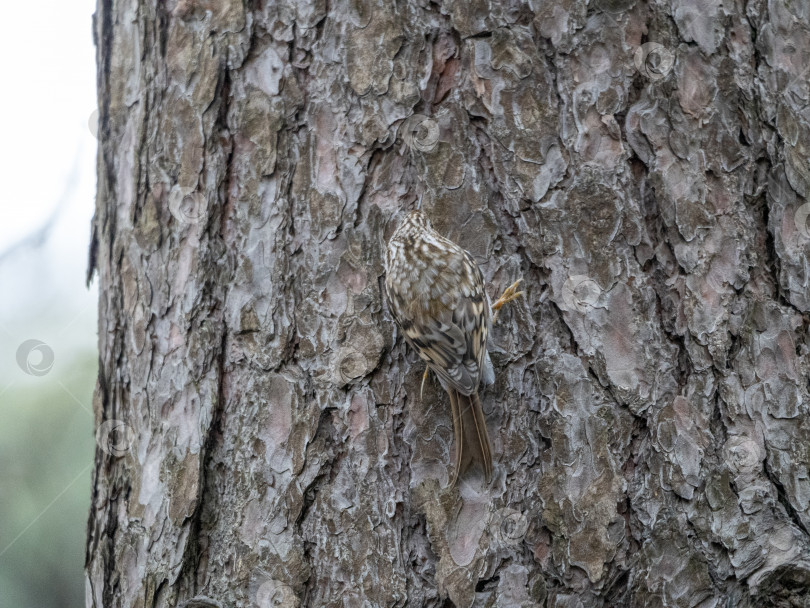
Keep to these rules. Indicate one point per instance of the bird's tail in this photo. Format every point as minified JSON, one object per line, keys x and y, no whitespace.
{"x":470,"y":434}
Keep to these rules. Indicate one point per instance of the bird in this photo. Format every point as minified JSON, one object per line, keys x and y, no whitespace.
{"x":437,"y":297}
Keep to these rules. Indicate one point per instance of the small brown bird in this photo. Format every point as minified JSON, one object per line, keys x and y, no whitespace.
{"x":436,"y":294}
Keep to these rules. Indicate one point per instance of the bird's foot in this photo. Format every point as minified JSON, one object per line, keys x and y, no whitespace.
{"x":424,"y":377}
{"x":511,"y":293}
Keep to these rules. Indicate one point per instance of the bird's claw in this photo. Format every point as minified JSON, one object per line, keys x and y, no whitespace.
{"x":424,"y":377}
{"x":508,"y":295}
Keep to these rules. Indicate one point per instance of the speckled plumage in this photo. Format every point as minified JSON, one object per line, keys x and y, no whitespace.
{"x":436,"y":294}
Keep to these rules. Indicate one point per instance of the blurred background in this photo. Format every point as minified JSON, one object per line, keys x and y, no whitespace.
{"x":47,"y":313}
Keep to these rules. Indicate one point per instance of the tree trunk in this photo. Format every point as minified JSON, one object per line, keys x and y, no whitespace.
{"x":262,"y":441}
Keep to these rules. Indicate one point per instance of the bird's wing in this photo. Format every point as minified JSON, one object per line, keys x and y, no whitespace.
{"x":453,"y":337}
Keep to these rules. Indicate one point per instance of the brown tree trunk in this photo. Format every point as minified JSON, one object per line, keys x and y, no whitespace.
{"x":644,"y":167}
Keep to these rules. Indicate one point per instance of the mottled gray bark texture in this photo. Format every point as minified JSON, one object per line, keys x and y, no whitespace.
{"x":643,"y":165}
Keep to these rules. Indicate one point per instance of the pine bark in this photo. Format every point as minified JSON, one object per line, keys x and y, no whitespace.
{"x":642,"y":165}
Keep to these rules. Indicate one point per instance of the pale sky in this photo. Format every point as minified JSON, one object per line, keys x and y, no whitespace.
{"x":48,"y":71}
